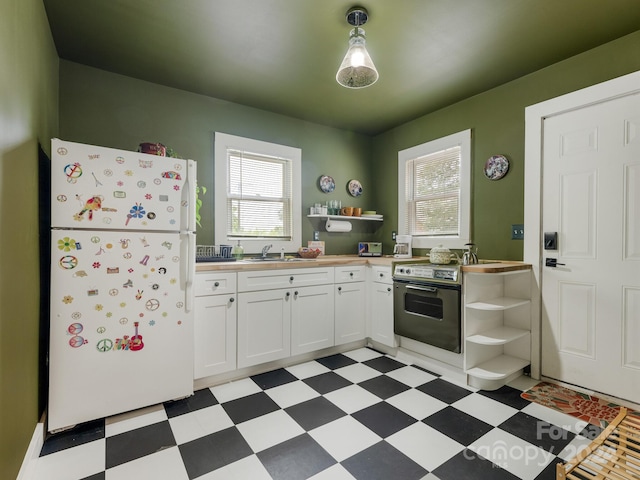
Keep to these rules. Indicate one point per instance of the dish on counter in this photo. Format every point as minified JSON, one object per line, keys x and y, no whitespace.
{"x":327,"y":185}
{"x":354,"y":188}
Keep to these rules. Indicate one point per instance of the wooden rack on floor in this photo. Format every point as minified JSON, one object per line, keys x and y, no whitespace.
{"x":614,"y":455}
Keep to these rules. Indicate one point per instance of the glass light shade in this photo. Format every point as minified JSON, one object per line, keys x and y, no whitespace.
{"x":357,"y":69}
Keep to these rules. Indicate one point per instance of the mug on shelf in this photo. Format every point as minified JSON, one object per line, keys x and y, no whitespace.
{"x":346,"y":211}
{"x":357,"y":211}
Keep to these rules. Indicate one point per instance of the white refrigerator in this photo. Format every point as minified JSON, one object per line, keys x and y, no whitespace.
{"x":122,"y":270}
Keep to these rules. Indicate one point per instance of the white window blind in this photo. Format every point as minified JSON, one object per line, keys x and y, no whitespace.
{"x":259,"y":196}
{"x":433,"y":193}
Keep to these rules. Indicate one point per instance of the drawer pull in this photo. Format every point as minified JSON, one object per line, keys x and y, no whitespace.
{"x":288,"y":294}
{"x":291,"y":278}
{"x":339,"y":289}
{"x":351,"y":274}
{"x":381,"y":275}
{"x":388,"y":289}
{"x":217,"y":284}
{"x":232,"y":299}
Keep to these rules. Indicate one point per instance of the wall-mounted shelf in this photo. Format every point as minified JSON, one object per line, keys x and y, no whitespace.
{"x":346,"y":218}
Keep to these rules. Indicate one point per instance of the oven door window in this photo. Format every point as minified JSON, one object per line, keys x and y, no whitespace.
{"x":425,"y":306}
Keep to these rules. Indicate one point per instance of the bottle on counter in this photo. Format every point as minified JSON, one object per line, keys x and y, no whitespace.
{"x":238,"y":251}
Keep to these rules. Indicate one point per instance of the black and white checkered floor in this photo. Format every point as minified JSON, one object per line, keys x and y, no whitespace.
{"x":358,"y":415}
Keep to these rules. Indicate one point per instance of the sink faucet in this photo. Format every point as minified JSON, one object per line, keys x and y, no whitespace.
{"x":265,"y":250}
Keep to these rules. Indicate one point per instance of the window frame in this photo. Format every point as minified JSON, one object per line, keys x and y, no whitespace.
{"x":460,"y":139}
{"x":222,"y":143}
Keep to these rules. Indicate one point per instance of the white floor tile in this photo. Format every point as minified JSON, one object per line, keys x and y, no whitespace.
{"x":269,"y":430}
{"x":425,"y":445}
{"x":484,"y":408}
{"x":515,"y":455}
{"x":417,"y":404}
{"x":77,"y":462}
{"x":352,"y":398}
{"x":136,"y":419}
{"x":336,"y":472}
{"x":235,"y":390}
{"x":362,"y":354}
{"x":197,"y":424}
{"x":247,"y":468}
{"x":291,"y":393}
{"x":166,"y":463}
{"x":574,"y":447}
{"x":357,"y":372}
{"x":308,"y":369}
{"x":555,"y":417}
{"x":411,"y":376}
{"x":344,"y":437}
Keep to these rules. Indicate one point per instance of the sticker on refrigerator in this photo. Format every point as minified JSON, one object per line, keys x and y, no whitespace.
{"x":92,"y":205}
{"x":73,"y":171}
{"x":68,"y":262}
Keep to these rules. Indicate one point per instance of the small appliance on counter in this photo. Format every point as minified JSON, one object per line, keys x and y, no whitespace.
{"x":402,"y":248}
{"x":370,"y":249}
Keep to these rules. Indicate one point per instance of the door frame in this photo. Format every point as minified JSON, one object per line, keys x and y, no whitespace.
{"x":534,"y":128}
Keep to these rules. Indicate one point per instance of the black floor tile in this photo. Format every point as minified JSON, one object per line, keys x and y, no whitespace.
{"x":78,"y":435}
{"x":211,"y":452}
{"x":444,"y":391}
{"x":383,"y":462}
{"x":274,"y":378}
{"x":327,"y":382}
{"x":314,"y":413}
{"x":591,"y":431}
{"x":97,"y":476}
{"x":468,"y":465}
{"x":459,"y":426}
{"x":251,"y":406}
{"x":384,"y":364}
{"x":298,"y":458}
{"x":549,"y":473}
{"x":336,"y":361}
{"x":543,"y":434}
{"x":507,"y":395}
{"x":200,"y":399}
{"x":137,"y":443}
{"x":384,"y":387}
{"x":384,"y":419}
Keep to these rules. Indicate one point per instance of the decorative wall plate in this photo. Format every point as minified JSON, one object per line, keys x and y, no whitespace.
{"x":326,"y":183}
{"x":496,"y":167}
{"x":354,"y":187}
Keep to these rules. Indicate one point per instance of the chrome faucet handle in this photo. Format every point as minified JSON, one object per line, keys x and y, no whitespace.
{"x":265,"y":250}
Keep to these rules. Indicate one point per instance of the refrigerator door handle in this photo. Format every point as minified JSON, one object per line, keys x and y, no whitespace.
{"x":190,"y":271}
{"x":190,"y":192}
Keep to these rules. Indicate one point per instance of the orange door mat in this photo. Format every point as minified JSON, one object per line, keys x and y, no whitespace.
{"x":580,"y":405}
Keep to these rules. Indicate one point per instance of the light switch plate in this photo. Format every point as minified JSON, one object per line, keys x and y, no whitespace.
{"x":316,"y":235}
{"x":517,"y":231}
{"x":393,"y":236}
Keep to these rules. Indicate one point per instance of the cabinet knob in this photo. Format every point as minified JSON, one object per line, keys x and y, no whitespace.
{"x":217,"y":284}
{"x":339,"y":289}
{"x":232,"y":299}
{"x":388,"y":289}
{"x":295,"y":293}
{"x":381,"y":275}
{"x":291,"y":278}
{"x":288,"y":294}
{"x":351,"y":274}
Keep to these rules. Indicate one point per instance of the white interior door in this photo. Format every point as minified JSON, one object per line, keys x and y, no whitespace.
{"x":591,"y":198}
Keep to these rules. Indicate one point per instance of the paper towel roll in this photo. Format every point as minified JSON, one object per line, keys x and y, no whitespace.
{"x":338,"y":226}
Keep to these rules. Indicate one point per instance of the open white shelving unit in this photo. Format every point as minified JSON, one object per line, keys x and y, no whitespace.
{"x":497,"y":315}
{"x":346,"y":218}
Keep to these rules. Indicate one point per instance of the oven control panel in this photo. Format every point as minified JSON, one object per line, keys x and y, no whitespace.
{"x":426,"y":272}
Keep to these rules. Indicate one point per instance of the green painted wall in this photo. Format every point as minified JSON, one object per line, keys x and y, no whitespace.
{"x":496,"y":118}
{"x":28,"y":114}
{"x":103,"y":108}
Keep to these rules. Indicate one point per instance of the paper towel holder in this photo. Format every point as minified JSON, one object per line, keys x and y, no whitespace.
{"x":338,"y":225}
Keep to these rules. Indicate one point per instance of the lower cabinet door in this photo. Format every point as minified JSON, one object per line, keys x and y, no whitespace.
{"x":382,"y":314}
{"x":264,"y":326}
{"x":214,"y":335}
{"x":312,"y":326}
{"x":350,"y":312}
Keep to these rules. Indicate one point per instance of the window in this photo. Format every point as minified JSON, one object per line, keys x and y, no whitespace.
{"x":434,"y":191}
{"x":257,"y":194}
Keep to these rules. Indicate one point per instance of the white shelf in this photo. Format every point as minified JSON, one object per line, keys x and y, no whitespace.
{"x":502,"y":303}
{"x":498,"y":368}
{"x":498,"y":336}
{"x":345,"y":217}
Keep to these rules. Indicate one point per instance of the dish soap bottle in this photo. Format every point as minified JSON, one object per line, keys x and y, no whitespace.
{"x":238,"y":251}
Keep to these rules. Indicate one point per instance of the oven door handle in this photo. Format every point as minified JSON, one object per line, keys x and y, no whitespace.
{"x":422,"y":289}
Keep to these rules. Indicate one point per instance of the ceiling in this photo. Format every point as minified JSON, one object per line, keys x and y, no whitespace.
{"x":282,"y":55}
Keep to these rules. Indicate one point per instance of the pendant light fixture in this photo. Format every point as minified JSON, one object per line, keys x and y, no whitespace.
{"x":357,"y":69}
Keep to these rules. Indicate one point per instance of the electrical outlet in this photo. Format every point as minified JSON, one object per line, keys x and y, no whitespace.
{"x":517,"y":231}
{"x":316,"y":235}
{"x":393,"y":235}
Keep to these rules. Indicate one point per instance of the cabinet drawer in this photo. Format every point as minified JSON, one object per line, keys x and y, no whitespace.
{"x":272,"y":279}
{"x":381,"y":274}
{"x":350,"y":274}
{"x":218,"y":283}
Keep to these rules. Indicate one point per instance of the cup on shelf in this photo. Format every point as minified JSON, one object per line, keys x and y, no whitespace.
{"x":346,"y":211}
{"x":357,"y":211}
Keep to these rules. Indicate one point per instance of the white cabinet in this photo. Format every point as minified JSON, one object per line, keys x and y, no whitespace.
{"x":350,"y":311}
{"x":497,"y":314}
{"x":276,"y":322}
{"x":214,"y":324}
{"x":380,"y":305}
